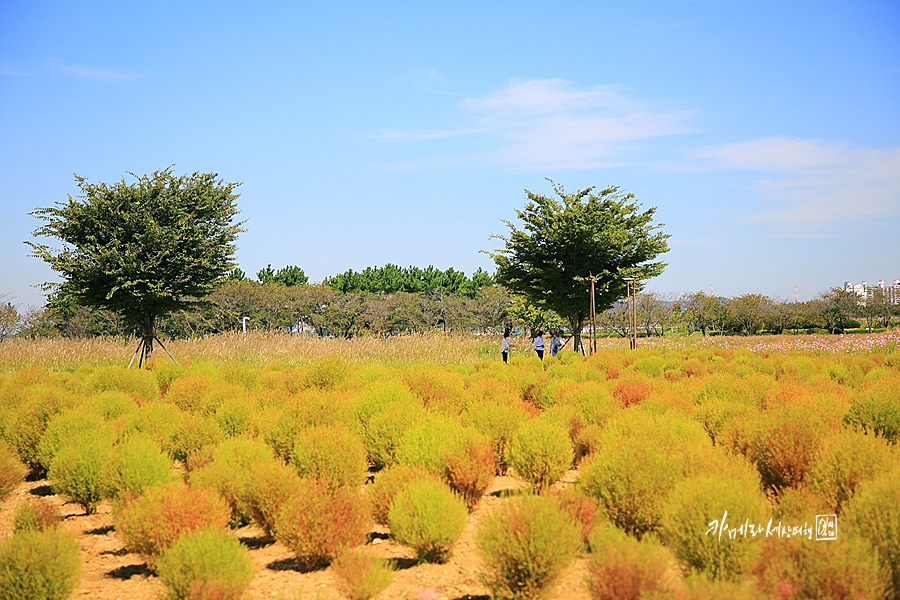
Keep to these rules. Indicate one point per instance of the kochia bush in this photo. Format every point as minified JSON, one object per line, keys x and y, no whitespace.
{"x":622,"y":568}
{"x":388,"y":484}
{"x":153,"y":521}
{"x":525,"y":545}
{"x":39,"y":564}
{"x":80,"y":468}
{"x":12,"y":471}
{"x":36,"y":515}
{"x":206,"y":564}
{"x":845,"y":462}
{"x":318,"y":524}
{"x":541,"y":452}
{"x":330,"y":453}
{"x":729,"y":502}
{"x":362,"y":576}
{"x":429,"y":518}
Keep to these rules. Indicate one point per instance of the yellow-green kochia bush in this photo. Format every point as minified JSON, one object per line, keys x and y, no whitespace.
{"x":238,"y":466}
{"x":137,"y":464}
{"x":388,"y":484}
{"x":429,"y":518}
{"x":525,"y":545}
{"x":845,"y":462}
{"x":874,"y":515}
{"x":640,"y":459}
{"x":80,"y":468}
{"x":700,"y":517}
{"x":39,"y":564}
{"x":12,"y":471}
{"x":330,"y":453}
{"x":205,"y":564}
{"x":541,"y":452}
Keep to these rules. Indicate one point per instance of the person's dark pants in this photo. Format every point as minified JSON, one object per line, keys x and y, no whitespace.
{"x":505,"y":354}
{"x":540,"y":354}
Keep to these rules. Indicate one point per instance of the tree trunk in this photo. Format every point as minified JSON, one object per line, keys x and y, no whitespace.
{"x":576,"y":324}
{"x":148,"y":332}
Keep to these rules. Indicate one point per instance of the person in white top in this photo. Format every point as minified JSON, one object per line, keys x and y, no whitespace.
{"x":505,"y":345}
{"x":539,"y":344}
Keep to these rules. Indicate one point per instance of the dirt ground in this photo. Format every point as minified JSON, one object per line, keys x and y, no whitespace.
{"x":111,"y":572}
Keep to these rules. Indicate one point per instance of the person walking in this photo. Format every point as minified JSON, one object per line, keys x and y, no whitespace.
{"x":505,"y":345}
{"x":555,"y":343}
{"x":539,"y":344}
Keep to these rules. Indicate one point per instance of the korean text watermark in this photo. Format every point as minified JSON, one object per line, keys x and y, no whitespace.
{"x":825,"y":529}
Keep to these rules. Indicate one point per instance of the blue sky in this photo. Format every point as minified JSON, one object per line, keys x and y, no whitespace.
{"x":767,"y":134}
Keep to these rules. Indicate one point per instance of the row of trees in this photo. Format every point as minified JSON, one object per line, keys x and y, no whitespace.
{"x":322,"y":310}
{"x":158,"y":254}
{"x":833,"y":311}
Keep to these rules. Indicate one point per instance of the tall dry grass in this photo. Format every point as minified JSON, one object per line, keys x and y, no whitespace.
{"x":255,"y":349}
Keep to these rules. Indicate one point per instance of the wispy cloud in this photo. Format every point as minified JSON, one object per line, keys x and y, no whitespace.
{"x":815,"y":185}
{"x":89,"y":73}
{"x":553,"y":124}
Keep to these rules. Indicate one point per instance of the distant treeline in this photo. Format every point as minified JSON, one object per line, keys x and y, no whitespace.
{"x":388,"y":279}
{"x":392,"y":300}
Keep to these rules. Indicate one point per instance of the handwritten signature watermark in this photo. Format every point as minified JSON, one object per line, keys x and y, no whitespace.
{"x":825,"y":529}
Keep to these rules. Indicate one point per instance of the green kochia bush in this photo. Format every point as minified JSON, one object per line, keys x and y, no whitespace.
{"x":877,"y":411}
{"x":80,"y":468}
{"x":331,"y":453}
{"x":318,"y":524}
{"x":525,"y":545}
{"x":388,"y":484}
{"x":39,"y":565}
{"x":641,"y":458}
{"x":498,"y":419}
{"x":238,"y":467}
{"x":137,"y":464}
{"x":206,"y":564}
{"x":845,"y":462}
{"x":874,"y":515}
{"x":429,"y":518}
{"x":541,"y":452}
{"x":383,"y":431}
{"x":12,"y":472}
{"x":720,"y":550}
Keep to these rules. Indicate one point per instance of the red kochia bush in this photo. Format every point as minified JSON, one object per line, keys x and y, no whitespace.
{"x":629,"y":393}
{"x":318,"y":524}
{"x":153,"y":521}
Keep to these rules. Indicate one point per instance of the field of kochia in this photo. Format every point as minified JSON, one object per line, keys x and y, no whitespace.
{"x":702,"y":471}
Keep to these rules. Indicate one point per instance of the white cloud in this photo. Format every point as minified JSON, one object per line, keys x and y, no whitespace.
{"x":550,"y":123}
{"x":814,"y":185}
{"x":95,"y":74}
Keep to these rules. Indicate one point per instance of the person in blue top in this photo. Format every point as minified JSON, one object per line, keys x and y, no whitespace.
{"x":555,"y":343}
{"x":539,"y":344}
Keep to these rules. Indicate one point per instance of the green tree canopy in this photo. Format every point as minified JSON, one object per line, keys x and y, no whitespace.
{"x":566,"y":238}
{"x":142,"y":249}
{"x":289,"y":276}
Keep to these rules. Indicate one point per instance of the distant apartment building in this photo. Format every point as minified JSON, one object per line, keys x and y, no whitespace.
{"x":864,"y":292}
